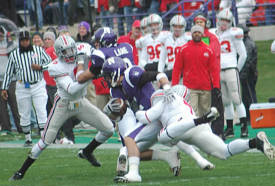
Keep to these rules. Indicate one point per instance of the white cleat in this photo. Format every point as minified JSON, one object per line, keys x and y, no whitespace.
{"x":174,"y":163}
{"x":205,"y":164}
{"x":122,"y":165}
{"x":264,"y":145}
{"x":127,"y":178}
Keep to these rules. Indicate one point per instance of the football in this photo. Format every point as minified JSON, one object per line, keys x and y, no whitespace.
{"x":123,"y":107}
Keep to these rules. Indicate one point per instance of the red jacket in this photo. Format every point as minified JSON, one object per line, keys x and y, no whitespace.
{"x":216,"y":48}
{"x":103,"y":3}
{"x":127,"y":39}
{"x":123,"y":3}
{"x":50,"y":80}
{"x":197,"y":63}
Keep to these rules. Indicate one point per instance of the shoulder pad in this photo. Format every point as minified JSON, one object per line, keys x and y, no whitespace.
{"x":236,"y":32}
{"x":56,"y":69}
{"x":83,"y":48}
{"x":98,"y":58}
{"x":139,"y":42}
{"x":132,"y":75}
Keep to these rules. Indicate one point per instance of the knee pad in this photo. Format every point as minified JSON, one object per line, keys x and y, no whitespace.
{"x":101,"y":137}
{"x":37,"y":149}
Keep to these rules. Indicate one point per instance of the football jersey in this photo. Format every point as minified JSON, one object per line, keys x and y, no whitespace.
{"x":152,"y":47}
{"x":231,"y":42}
{"x":137,"y":97}
{"x":123,"y":50}
{"x":171,"y":47}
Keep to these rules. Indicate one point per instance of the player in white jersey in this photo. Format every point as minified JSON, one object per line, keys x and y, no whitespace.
{"x":151,"y":43}
{"x":231,"y":40}
{"x":181,"y":124}
{"x":172,"y":43}
{"x":142,"y":50}
{"x":70,"y":101}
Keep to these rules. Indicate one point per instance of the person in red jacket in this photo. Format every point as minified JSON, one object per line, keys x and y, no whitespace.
{"x":197,"y":62}
{"x":131,"y":38}
{"x":216,"y":100}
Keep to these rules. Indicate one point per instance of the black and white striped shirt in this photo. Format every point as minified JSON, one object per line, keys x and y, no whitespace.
{"x":20,"y":64}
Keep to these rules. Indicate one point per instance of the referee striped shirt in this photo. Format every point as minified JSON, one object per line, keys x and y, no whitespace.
{"x":20,"y":64}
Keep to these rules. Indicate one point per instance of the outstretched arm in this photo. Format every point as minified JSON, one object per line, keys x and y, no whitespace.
{"x":151,"y":114}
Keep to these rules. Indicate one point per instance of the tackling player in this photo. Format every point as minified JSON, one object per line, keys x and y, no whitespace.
{"x":70,"y":102}
{"x":231,"y":41}
{"x":134,"y":85}
{"x":178,"y":120}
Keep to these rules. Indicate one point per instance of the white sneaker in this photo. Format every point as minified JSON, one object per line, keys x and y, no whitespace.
{"x":66,"y":141}
{"x":205,"y":164}
{"x":264,"y":145}
{"x":122,"y":165}
{"x":174,"y":162}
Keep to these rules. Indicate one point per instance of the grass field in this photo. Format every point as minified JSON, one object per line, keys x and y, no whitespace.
{"x":58,"y":167}
{"x":61,"y":167}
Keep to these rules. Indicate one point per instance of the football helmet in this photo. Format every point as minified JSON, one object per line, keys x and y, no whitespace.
{"x":112,"y":69}
{"x":155,"y":23}
{"x":65,"y":49}
{"x":225,"y":19}
{"x":177,"y":25}
{"x":105,"y":36}
{"x":144,"y":25}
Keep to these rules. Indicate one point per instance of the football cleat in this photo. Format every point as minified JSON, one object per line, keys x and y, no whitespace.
{"x":88,"y":157}
{"x":174,"y":163}
{"x":205,"y":164}
{"x":28,"y":143}
{"x":229,"y":133}
{"x":16,"y":176}
{"x":128,"y":178}
{"x":244,"y":132}
{"x":122,"y":165}
{"x":264,"y":145}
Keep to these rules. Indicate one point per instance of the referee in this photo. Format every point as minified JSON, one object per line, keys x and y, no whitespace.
{"x":27,"y":63}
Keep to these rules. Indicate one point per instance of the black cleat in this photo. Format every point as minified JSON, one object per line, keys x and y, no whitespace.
{"x":229,"y":133}
{"x":244,"y":132}
{"x":28,"y":143}
{"x":16,"y":176}
{"x":89,"y":157}
{"x":212,"y":115}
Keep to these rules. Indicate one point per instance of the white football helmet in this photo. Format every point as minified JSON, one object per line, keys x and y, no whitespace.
{"x":155,"y":23}
{"x":144,"y":25}
{"x":177,"y":20}
{"x":65,"y":49}
{"x":225,"y":19}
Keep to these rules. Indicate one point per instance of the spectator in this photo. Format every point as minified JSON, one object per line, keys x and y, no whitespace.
{"x":37,"y":39}
{"x":52,"y":12}
{"x":104,"y":10}
{"x":198,"y":71}
{"x":52,"y":29}
{"x":249,"y":72}
{"x":270,"y":13}
{"x":131,"y":38}
{"x":154,"y":7}
{"x":39,"y":15}
{"x":84,"y":34}
{"x":216,"y":98}
{"x":4,"y":112}
{"x":8,"y":9}
{"x":63,"y":29}
{"x":30,"y":87}
{"x":125,"y":9}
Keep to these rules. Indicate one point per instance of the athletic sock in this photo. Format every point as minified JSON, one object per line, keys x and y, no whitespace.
{"x":28,"y":162}
{"x":133,"y":165}
{"x":252,"y":143}
{"x":243,"y":121}
{"x":28,"y":136}
{"x":91,"y":147}
{"x":229,"y":123}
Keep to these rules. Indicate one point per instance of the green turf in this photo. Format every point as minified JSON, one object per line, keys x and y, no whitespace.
{"x":57,"y":167}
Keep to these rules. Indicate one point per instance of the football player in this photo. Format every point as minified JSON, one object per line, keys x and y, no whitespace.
{"x":70,"y":102}
{"x":133,"y":84}
{"x":181,"y":124}
{"x":172,"y":44}
{"x":231,"y":41}
{"x":152,"y":43}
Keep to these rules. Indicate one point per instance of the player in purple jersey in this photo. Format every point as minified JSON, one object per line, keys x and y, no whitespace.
{"x":108,"y":47}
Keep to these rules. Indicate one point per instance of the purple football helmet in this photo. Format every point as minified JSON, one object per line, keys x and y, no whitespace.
{"x":112,"y":69}
{"x":106,"y":37}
